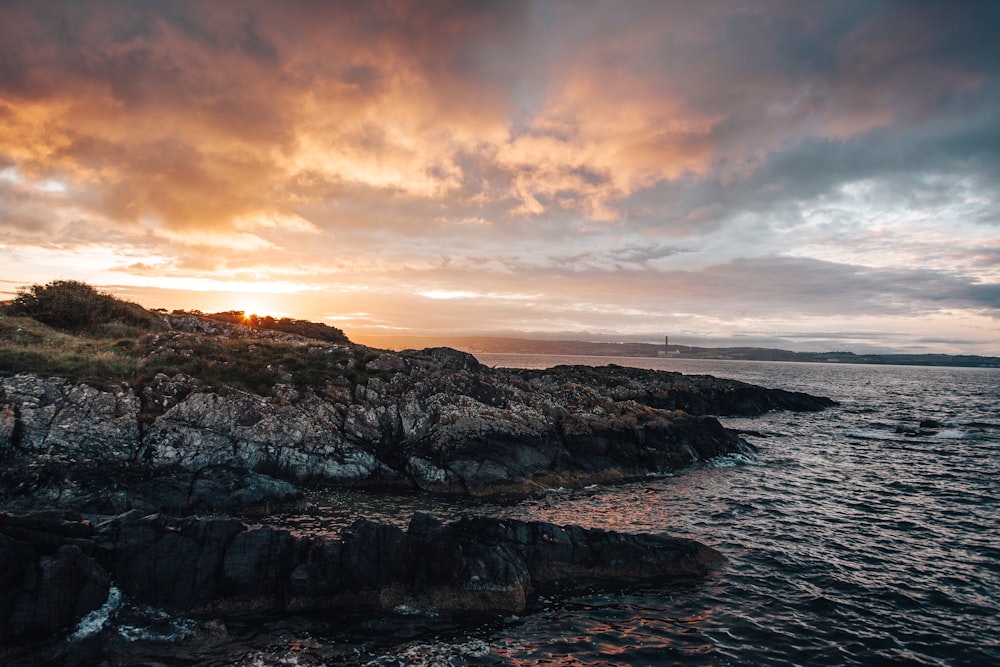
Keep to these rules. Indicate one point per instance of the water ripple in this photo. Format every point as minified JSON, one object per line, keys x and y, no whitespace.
{"x":856,"y":537}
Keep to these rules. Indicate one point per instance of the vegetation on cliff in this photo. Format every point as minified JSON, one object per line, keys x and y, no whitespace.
{"x":309,"y":409}
{"x":70,"y":305}
{"x":304,"y":328}
{"x":69,"y":329}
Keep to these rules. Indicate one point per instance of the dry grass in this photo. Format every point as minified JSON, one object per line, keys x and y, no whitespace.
{"x":112,"y":354}
{"x":27,"y":346}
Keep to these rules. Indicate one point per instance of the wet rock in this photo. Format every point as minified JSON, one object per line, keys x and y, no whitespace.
{"x":57,"y":568}
{"x":665,"y":390}
{"x":113,"y":488}
{"x":228,"y":490}
{"x":483,"y":565}
{"x":46,"y":583}
{"x":173,"y":565}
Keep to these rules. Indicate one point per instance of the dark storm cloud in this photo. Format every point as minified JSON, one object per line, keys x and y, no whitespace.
{"x":558,"y":159}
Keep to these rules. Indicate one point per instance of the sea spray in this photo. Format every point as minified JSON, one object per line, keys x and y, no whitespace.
{"x":95,"y":621}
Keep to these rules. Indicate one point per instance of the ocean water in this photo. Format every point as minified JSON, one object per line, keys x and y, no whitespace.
{"x":854,"y":537}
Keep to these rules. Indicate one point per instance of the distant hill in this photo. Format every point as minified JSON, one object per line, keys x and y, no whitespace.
{"x":507,"y":345}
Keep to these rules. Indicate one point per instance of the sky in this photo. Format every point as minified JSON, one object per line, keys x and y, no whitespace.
{"x":806,"y":175}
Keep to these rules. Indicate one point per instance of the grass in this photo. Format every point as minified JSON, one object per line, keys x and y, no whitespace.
{"x":111,"y":354}
{"x":69,"y":329}
{"x":251,"y":365}
{"x":27,"y":346}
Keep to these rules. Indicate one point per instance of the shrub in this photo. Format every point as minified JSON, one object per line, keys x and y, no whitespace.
{"x":74,"y":305}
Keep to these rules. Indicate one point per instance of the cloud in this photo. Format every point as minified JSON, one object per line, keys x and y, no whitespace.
{"x":627,"y":161}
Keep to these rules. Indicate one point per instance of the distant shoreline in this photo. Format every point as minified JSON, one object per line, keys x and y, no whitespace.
{"x":501,"y":345}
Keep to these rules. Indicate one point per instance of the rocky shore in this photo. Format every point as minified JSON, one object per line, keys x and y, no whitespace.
{"x":434,"y":420}
{"x":57,"y":568}
{"x":128,"y":489}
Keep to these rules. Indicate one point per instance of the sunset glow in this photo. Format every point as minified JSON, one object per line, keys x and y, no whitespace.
{"x":806,"y":175}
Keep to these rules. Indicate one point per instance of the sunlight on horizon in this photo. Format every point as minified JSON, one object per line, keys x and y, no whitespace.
{"x":788,"y":170}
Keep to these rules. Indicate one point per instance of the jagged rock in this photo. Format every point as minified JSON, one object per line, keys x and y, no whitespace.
{"x":54,"y":416}
{"x":435,"y":420}
{"x":7,"y":424}
{"x":114,"y":488}
{"x":174,"y":565}
{"x":667,"y":390}
{"x":57,"y":569}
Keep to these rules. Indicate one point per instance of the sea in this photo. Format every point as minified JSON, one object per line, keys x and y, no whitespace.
{"x":865,"y":534}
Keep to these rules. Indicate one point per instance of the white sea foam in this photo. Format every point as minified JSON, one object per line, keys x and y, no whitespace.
{"x":406,"y":610}
{"x":951,"y":434}
{"x":426,"y":655}
{"x":267,"y":659}
{"x":93,"y":622}
{"x":161,"y":626}
{"x":734,"y":459}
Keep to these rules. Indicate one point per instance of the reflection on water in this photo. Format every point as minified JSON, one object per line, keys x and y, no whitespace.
{"x":849,"y":542}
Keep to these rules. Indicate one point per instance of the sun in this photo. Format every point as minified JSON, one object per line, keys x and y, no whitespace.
{"x":258,"y":307}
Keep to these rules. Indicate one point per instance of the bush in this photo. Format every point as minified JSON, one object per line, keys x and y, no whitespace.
{"x":70,"y":304}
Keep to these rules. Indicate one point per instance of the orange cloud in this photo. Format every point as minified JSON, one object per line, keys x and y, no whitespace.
{"x":384,"y":149}
{"x":600,"y":137}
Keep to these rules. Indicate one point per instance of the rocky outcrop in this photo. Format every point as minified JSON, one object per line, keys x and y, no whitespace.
{"x":55,"y":417}
{"x":110,"y":488}
{"x":57,"y":568}
{"x":664,"y":390}
{"x":436,"y":420}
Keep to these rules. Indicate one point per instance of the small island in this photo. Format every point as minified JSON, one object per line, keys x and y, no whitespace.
{"x":134,"y":444}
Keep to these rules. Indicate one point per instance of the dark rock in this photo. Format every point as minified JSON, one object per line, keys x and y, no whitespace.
{"x":174,"y":565}
{"x":228,"y":490}
{"x":45,"y":591}
{"x":256,"y":564}
{"x":665,"y":390}
{"x":55,"y":570}
{"x":927,"y":427}
{"x":113,"y":488}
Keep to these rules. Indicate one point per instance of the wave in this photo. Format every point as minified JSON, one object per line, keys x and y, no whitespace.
{"x":734,"y":459}
{"x":95,"y":621}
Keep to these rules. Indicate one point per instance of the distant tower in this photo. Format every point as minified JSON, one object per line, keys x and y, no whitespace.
{"x":663,"y":352}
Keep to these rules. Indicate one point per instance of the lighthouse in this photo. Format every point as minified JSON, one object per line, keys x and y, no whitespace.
{"x":665,"y":352}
